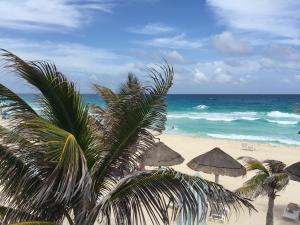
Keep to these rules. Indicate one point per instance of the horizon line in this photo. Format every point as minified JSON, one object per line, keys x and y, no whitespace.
{"x":89,"y":93}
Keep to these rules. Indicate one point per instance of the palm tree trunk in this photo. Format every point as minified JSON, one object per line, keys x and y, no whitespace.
{"x":270,"y":216}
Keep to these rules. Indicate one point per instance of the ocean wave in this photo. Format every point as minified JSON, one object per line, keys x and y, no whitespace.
{"x":254,"y":138}
{"x":274,"y":117}
{"x":226,"y":117}
{"x":283,"y":122}
{"x":201,"y":107}
{"x":278,"y":114}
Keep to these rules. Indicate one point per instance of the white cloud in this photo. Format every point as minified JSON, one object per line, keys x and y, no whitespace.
{"x":267,"y":63}
{"x":173,"y":56}
{"x":278,"y":18}
{"x":151,"y":29}
{"x":222,"y":72}
{"x":83,"y":64}
{"x":283,"y":53}
{"x":176,"y":42}
{"x":200,"y":77}
{"x":276,"y":64}
{"x":222,"y":76}
{"x":45,"y":14}
{"x":227,"y":44}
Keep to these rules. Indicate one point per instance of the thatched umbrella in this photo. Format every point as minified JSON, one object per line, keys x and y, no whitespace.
{"x":162,"y":155}
{"x":218,"y":163}
{"x":294,"y":171}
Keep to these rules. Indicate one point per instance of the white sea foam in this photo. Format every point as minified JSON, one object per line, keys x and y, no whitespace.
{"x":283,"y":122}
{"x":254,"y":138}
{"x":226,"y":117}
{"x":278,"y":114}
{"x":201,"y":107}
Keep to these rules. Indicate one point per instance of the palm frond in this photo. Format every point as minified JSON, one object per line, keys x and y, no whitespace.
{"x":106,"y":94}
{"x":10,"y":215}
{"x":278,"y":181}
{"x":16,"y":176}
{"x":274,"y":166}
{"x":34,"y":223}
{"x":128,"y":132}
{"x":68,"y":172}
{"x":155,"y":192}
{"x":257,"y":179}
{"x":268,"y":180}
{"x":253,"y":164}
{"x":132,"y":88}
{"x":251,"y":191}
{"x":254,"y":186}
{"x":14,"y":104}
{"x":20,"y":181}
{"x":62,"y":103}
{"x":22,"y":176}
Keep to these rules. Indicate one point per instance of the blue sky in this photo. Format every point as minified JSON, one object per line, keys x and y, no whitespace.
{"x":215,"y":46}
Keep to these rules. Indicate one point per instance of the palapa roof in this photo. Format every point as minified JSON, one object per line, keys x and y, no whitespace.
{"x":294,"y":171}
{"x":162,"y":155}
{"x":217,"y":162}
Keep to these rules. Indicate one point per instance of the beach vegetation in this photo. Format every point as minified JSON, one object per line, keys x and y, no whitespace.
{"x":269,"y":179}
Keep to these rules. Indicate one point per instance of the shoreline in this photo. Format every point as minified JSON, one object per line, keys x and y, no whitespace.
{"x":206,"y":136}
{"x":236,"y":145}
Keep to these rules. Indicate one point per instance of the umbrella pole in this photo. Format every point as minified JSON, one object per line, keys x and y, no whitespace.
{"x":216,"y":178}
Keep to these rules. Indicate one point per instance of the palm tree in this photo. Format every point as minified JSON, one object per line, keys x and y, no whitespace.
{"x":269,"y":179}
{"x":77,"y":163}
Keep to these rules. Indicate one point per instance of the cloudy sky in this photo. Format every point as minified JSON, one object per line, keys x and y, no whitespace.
{"x":215,"y":46}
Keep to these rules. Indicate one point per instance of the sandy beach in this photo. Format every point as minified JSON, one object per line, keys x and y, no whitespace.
{"x":190,"y":147}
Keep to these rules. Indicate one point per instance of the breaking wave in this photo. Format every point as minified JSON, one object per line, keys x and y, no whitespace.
{"x":276,"y":117}
{"x":278,"y":114}
{"x":201,"y":107}
{"x":283,"y":122}
{"x":254,"y":138}
{"x":226,"y":117}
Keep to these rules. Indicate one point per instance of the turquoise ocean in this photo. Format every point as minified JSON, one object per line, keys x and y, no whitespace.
{"x":262,"y":118}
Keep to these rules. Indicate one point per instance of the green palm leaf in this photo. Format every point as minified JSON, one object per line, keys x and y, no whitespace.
{"x":253,"y":164}
{"x":274,"y":166}
{"x":151,"y":192}
{"x":268,"y":180}
{"x":70,"y":173}
{"x":16,"y":176}
{"x":138,"y":117}
{"x":13,"y":104}
{"x":107,"y":94}
{"x":62,"y":103}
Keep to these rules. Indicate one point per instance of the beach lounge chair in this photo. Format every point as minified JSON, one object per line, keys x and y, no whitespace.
{"x":247,"y":147}
{"x":292,"y":212}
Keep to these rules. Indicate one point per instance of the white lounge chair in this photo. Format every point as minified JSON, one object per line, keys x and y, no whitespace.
{"x":292,"y":212}
{"x":247,"y":147}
